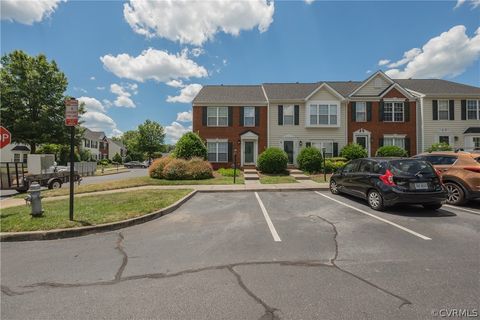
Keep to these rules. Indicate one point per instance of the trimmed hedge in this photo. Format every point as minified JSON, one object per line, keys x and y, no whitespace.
{"x":272,"y":160}
{"x":156,"y":168}
{"x":332,"y":165}
{"x":353,"y":151}
{"x":180,"y":169}
{"x":440,"y":147}
{"x":310,"y":160}
{"x":391,"y":151}
{"x":198,"y":169}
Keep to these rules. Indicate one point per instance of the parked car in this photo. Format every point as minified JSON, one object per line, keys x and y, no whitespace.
{"x":134,"y":164}
{"x":385,"y":182}
{"x":460,"y":173}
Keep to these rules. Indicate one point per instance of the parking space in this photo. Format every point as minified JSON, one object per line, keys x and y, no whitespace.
{"x":247,"y":255}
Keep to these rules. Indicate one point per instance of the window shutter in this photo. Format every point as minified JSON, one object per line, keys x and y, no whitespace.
{"x":380,"y":142}
{"x":257,"y":116}
{"x":435,"y":109}
{"x":380,"y":111}
{"x":369,"y":111}
{"x":204,"y":116}
{"x":241,"y":116}
{"x":297,"y":114}
{"x":229,"y":152}
{"x":464,"y":109}
{"x":335,"y":149}
{"x":406,"y":110}
{"x":354,"y":111}
{"x":280,"y":115}
{"x":451,"y":109}
{"x":407,"y":145}
{"x":230,"y":116}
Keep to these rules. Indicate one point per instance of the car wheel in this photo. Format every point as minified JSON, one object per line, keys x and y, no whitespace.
{"x":55,"y":184}
{"x":455,"y":195}
{"x":434,"y":206}
{"x":334,"y":187}
{"x":375,"y":200}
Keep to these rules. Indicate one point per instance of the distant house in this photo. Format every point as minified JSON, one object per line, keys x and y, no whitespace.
{"x":115,"y":147}
{"x":15,"y":153}
{"x":96,"y":142}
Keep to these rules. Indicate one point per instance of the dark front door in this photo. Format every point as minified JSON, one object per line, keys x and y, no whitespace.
{"x":288,"y":148}
{"x":248,"y":151}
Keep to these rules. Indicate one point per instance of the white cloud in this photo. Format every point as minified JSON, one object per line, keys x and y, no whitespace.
{"x":107,"y":103}
{"x":153,"y":64}
{"x":175,"y":83}
{"x":185,"y":116}
{"x":174,"y":131}
{"x":473,"y":3}
{"x":100,"y":88}
{"x":446,"y":55}
{"x":123,"y":96}
{"x":186,"y":94}
{"x":197,"y":21}
{"x":407,"y":57}
{"x":368,"y":71}
{"x":197,"y":52}
{"x":98,"y":121}
{"x":309,"y":1}
{"x":92,"y":104}
{"x":27,"y":12}
{"x":80,"y":89}
{"x":383,"y":62}
{"x":92,"y":78}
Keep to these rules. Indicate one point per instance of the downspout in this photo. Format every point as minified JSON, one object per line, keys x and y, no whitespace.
{"x":422,"y":122}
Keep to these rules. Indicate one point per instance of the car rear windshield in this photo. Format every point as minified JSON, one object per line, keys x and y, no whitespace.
{"x":410,"y":167}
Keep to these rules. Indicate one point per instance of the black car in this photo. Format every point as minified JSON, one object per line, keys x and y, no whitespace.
{"x":134,"y":164}
{"x":386,"y":182}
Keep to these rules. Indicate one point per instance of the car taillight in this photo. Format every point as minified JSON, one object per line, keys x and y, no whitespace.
{"x":473,"y":169}
{"x":439,"y":175}
{"x":387,"y":178}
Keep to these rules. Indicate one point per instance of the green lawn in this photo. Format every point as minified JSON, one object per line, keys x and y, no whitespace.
{"x":137,"y":182}
{"x":319,"y":178}
{"x":89,"y":210}
{"x":276,"y":178}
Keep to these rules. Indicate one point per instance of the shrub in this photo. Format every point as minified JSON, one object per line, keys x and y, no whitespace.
{"x":197,"y":169}
{"x":273,"y":160}
{"x":228,"y":172}
{"x":310,"y":160}
{"x":353,"y":151}
{"x":391,"y":151}
{"x":176,"y":169}
{"x":155,"y":170}
{"x":103,"y":162}
{"x":440,"y":147}
{"x":128,"y":158}
{"x":189,"y":146}
{"x":332,"y":166}
{"x":117,"y":158}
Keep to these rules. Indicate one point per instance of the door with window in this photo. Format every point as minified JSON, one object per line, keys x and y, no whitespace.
{"x":248,"y":152}
{"x":363,"y":141}
{"x":288,"y":148}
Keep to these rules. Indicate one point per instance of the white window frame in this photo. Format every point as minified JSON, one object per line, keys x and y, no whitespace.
{"x":320,"y":144}
{"x":316,"y":105}
{"x":393,"y":112}
{"x":252,"y":118}
{"x":477,"y":107}
{"x":285,"y":108}
{"x":444,"y":135}
{"x":217,"y":117}
{"x":473,"y":142}
{"x":217,"y":142}
{"x":16,"y":157}
{"x":439,"y":107}
{"x":394,"y":138}
{"x":357,"y":112}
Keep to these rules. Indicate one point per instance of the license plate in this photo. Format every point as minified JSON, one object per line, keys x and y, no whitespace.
{"x":421,"y":186}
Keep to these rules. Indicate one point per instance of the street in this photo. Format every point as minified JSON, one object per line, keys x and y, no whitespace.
{"x":247,"y":255}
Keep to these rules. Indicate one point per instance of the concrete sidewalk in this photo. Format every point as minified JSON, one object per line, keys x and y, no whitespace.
{"x":301,"y":185}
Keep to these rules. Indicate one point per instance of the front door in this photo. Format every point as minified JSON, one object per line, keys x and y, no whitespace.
{"x":363,"y":141}
{"x":288,"y":148}
{"x":248,"y":152}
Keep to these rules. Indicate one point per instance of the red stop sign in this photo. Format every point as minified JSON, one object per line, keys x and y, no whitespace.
{"x":5,"y":137}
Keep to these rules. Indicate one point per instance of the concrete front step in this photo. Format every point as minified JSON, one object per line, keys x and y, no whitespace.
{"x":295,"y":171}
{"x":250,"y":171}
{"x":251,"y":176}
{"x":300,"y":176}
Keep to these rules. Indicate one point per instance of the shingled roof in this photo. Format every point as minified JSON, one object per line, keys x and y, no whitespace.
{"x":249,"y":94}
{"x":438,"y":87}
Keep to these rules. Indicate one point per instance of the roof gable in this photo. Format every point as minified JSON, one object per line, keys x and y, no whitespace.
{"x":373,"y":85}
{"x":326,"y":87}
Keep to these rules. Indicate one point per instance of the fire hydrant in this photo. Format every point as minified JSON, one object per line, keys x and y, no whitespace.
{"x":35,"y":199}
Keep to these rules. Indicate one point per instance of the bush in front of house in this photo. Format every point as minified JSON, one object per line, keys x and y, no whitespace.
{"x":333,"y":164}
{"x":190,"y":145}
{"x":117,"y":158}
{"x":440,"y":147}
{"x":155,"y":170}
{"x":391,"y":151}
{"x":228,"y":172}
{"x":353,"y":151}
{"x":272,"y":160}
{"x":310,"y":160}
{"x":198,"y":169}
{"x":177,"y":169}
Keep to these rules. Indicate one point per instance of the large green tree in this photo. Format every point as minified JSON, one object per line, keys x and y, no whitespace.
{"x":32,"y":99}
{"x":150,"y":138}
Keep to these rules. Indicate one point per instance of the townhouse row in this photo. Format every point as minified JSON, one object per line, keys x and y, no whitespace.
{"x":240,"y":121}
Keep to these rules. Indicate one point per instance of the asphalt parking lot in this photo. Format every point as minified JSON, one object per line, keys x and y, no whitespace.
{"x":246,"y":255}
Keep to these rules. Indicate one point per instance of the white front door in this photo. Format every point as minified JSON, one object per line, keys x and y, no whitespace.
{"x":249,"y":152}
{"x":364,"y":141}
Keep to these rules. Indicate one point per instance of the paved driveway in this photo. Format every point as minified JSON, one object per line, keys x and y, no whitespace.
{"x":266,"y":255}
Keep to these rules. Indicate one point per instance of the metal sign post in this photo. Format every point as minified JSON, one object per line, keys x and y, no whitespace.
{"x":71,"y":120}
{"x":234,"y":165}
{"x":324,"y":165}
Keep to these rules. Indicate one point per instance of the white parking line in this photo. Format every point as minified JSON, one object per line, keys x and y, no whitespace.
{"x":463,"y":209}
{"x":421,"y":236}
{"x":276,"y":238}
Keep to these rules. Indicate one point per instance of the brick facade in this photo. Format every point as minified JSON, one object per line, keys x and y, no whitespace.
{"x":379,"y":128}
{"x":231,"y":133}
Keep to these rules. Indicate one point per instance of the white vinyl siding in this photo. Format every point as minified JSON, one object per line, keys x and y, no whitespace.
{"x":374,"y":87}
{"x":443,"y":110}
{"x":217,"y":116}
{"x":249,"y":116}
{"x":217,"y":151}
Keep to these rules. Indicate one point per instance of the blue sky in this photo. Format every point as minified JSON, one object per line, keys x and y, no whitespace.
{"x":102,"y":48}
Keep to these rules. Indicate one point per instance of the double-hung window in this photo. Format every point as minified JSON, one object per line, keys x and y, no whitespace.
{"x":288,"y":114}
{"x":393,"y":112}
{"x":473,"y":110}
{"x":360,"y":111}
{"x":443,"y":110}
{"x":394,"y":141}
{"x":16,"y":157}
{"x":217,"y":116}
{"x":323,"y":114}
{"x":476,"y":142}
{"x":444,"y":139}
{"x":217,"y":151}
{"x":249,"y":116}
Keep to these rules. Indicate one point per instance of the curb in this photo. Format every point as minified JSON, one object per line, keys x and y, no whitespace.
{"x":82,"y":231}
{"x":265,"y":190}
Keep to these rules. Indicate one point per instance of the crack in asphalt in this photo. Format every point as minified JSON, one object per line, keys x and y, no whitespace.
{"x":9,"y":292}
{"x":334,"y":259}
{"x":120,"y":249}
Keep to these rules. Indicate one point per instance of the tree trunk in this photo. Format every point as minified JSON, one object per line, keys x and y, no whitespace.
{"x":33,"y":148}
